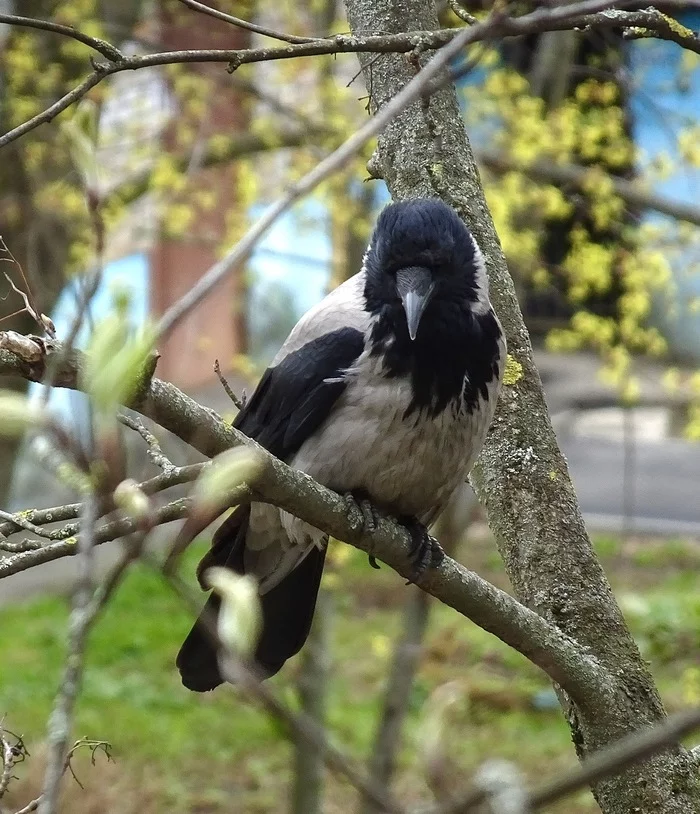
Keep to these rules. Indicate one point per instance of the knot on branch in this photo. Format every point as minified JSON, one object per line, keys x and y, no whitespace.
{"x":29,"y":349}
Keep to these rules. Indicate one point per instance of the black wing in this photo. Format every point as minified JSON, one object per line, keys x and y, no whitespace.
{"x":287,"y":609}
{"x":294,"y":398}
{"x":291,"y":401}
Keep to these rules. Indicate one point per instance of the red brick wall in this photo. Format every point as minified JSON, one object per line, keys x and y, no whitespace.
{"x":216,"y":327}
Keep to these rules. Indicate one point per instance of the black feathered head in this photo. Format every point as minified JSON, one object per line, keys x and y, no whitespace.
{"x":422,"y":257}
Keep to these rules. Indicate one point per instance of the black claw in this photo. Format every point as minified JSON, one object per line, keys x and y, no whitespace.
{"x":353,"y":511}
{"x":438,"y":554}
{"x":362,"y":516}
{"x":425,"y":551}
{"x":369,"y":515}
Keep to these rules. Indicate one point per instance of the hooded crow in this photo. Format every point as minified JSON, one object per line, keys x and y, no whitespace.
{"x":384,"y":391}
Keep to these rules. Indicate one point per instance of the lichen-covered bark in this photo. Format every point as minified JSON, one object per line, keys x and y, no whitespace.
{"x":522,"y":478}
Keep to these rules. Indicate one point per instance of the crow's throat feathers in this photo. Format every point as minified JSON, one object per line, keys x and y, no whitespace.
{"x":453,"y":353}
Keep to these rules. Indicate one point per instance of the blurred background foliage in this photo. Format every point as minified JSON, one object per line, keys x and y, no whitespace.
{"x":177,"y":751}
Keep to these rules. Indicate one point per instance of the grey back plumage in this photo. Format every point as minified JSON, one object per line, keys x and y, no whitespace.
{"x":344,"y":307}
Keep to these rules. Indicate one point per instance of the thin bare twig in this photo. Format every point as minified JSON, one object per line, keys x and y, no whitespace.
{"x":105,"y":48}
{"x":81,"y":618}
{"x":12,"y":753}
{"x":30,"y":305}
{"x":94,"y":746}
{"x":462,"y":13}
{"x":12,"y":523}
{"x":13,"y":314}
{"x":589,"y":13}
{"x":112,"y":530}
{"x":22,"y":522}
{"x":27,"y":307}
{"x":18,"y":546}
{"x":30,"y":807}
{"x":235,"y":58}
{"x":609,"y":761}
{"x":239,"y":402}
{"x":57,"y":107}
{"x":248,"y":26}
{"x":153,"y":447}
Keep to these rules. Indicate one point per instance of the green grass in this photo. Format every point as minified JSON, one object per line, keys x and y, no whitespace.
{"x":198,"y":753}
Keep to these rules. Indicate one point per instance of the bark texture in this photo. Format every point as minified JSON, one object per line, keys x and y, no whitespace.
{"x":522,"y":477}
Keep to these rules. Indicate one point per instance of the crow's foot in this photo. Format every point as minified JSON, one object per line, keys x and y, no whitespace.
{"x":362,"y":516}
{"x":425,"y":552}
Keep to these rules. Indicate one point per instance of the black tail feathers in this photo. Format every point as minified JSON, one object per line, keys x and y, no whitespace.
{"x":287,"y":610}
{"x":197,"y":660}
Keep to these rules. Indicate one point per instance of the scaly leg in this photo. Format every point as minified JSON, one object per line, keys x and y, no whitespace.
{"x":426,"y":551}
{"x":362,"y":516}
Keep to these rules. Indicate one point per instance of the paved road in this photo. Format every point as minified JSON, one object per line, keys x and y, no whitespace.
{"x":665,"y":493}
{"x":666,"y":484}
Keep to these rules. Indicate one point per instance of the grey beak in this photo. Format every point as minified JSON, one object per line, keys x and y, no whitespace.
{"x":415,"y":287}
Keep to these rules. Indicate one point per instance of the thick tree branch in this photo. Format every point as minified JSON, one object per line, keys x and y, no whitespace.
{"x":494,"y":610}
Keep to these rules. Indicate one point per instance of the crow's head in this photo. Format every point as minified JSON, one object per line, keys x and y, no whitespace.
{"x":421,"y":263}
